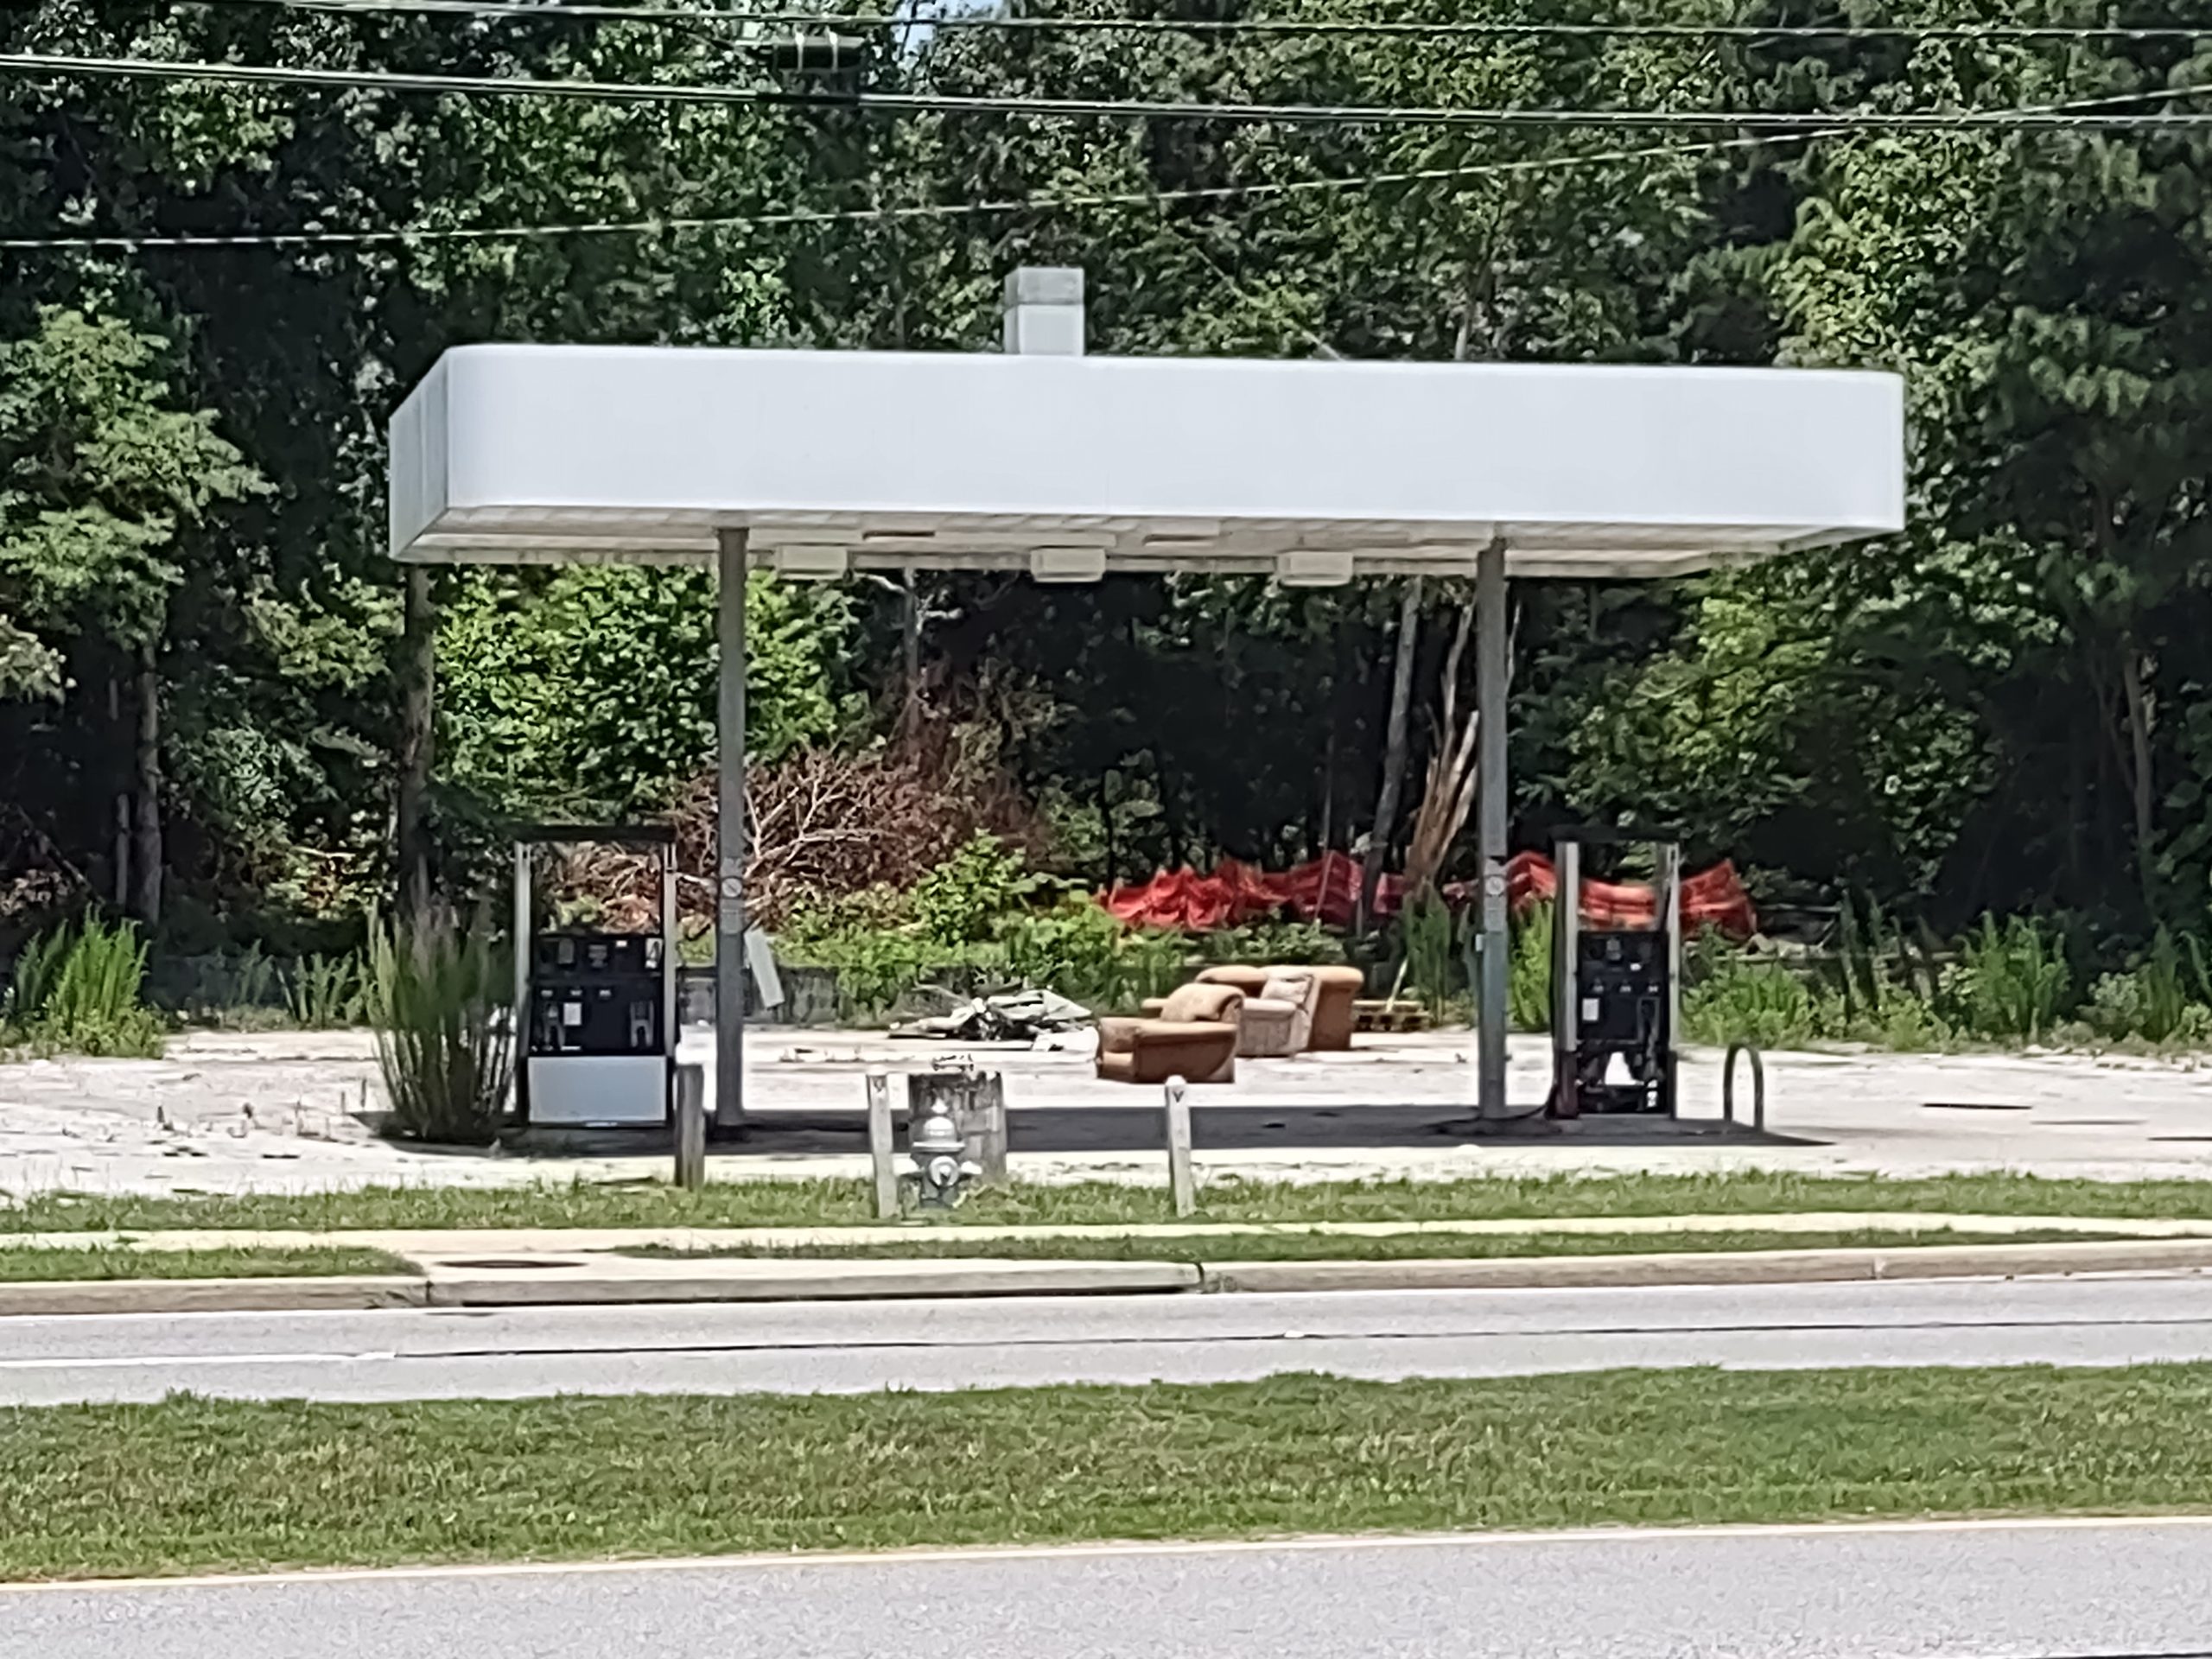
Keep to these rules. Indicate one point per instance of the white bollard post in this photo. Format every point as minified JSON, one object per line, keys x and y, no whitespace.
{"x":880,"y":1149}
{"x":1181,"y":1180}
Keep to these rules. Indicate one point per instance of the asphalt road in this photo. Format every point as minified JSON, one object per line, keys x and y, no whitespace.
{"x":2046,"y":1590}
{"x":403,"y":1354}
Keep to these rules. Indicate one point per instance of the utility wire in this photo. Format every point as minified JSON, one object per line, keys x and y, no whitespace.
{"x":655,"y":15}
{"x":857,"y":215}
{"x":1131,"y":109}
{"x":674,"y":224}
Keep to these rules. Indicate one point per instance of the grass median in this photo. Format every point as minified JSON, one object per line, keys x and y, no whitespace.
{"x":196,"y":1485}
{"x":1341,"y":1247}
{"x":99,"y":1262}
{"x":749,"y":1203}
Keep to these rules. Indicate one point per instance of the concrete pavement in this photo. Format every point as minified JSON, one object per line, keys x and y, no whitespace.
{"x":858,"y":1347}
{"x":280,"y":1111}
{"x":1933,"y":1592}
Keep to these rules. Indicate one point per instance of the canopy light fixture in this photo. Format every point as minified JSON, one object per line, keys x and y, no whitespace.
{"x":812,"y":563}
{"x":1067,"y":563}
{"x":1314,"y":567}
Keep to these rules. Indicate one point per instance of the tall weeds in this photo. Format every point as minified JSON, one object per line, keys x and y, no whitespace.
{"x":1528,"y":970}
{"x":1431,"y":958}
{"x":2012,"y":981}
{"x":81,"y":991}
{"x":326,"y":992}
{"x":436,"y":998}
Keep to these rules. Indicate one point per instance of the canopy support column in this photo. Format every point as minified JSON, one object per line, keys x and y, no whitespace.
{"x":1491,"y":803}
{"x":730,"y":831}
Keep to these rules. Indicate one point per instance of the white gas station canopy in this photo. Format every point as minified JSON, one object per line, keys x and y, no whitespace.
{"x":1070,"y":465}
{"x":816,"y":463}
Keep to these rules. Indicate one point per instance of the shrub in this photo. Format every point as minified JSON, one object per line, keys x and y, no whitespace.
{"x":876,"y":970}
{"x":325,"y":992}
{"x":1431,"y":938}
{"x":2010,"y":981}
{"x":1147,"y":964}
{"x":1082,"y":952}
{"x":1734,"y":997}
{"x":1075,"y":948}
{"x":1907,"y":1024}
{"x":436,"y":997}
{"x":82,"y":992}
{"x":1262,"y":943}
{"x":1528,"y":969}
{"x":2152,"y":1000}
{"x":963,"y":900}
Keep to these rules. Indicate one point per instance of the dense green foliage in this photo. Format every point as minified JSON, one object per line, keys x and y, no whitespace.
{"x":982,"y":921}
{"x":2008,"y":708}
{"x":593,"y":690}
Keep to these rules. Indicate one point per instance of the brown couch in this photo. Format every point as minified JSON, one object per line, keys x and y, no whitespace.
{"x":1193,"y":1038}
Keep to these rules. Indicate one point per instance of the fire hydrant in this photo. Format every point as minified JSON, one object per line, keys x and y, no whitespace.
{"x":942,"y":1167}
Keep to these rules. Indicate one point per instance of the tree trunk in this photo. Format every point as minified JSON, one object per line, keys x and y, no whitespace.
{"x":146,"y":850}
{"x":1395,"y":746}
{"x":417,"y":728}
{"x":1171,"y":811}
{"x":1327,"y":834}
{"x":120,"y":874}
{"x":1448,"y":792}
{"x":910,"y":644}
{"x":1106,"y":821}
{"x":2140,"y":779}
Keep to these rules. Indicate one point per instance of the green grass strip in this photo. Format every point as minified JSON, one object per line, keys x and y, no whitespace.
{"x":827,"y":1203}
{"x":99,"y":1262}
{"x":194,"y":1485}
{"x":1338,"y":1247}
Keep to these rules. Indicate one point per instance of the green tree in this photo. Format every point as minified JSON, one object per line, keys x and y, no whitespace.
{"x":102,"y":481}
{"x":593,"y":690}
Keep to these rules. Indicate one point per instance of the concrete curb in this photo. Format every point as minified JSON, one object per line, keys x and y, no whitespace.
{"x":587,"y":1280}
{"x":1711,"y":1268}
{"x":1180,"y":1239}
{"x":606,"y":1280}
{"x":32,"y":1298}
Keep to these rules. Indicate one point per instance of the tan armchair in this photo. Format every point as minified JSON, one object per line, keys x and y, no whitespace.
{"x":1193,"y":1038}
{"x":1277,"y":1022}
{"x":1335,"y":989}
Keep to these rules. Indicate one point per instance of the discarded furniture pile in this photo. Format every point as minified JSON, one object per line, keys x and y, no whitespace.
{"x":1230,"y":1012}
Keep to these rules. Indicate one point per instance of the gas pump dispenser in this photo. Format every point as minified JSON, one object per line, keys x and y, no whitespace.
{"x":1616,"y":989}
{"x":596,"y":1008}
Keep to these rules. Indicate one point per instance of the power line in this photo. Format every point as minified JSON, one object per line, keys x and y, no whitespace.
{"x":855,"y":215}
{"x":677,"y":223}
{"x":663,"y":16}
{"x":1130,"y":109}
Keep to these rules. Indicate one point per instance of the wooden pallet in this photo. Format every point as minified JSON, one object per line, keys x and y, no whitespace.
{"x":1392,"y":1017}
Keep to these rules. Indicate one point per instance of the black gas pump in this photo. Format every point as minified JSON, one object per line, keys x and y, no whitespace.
{"x":1616,"y":991}
{"x":595,"y":1008}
